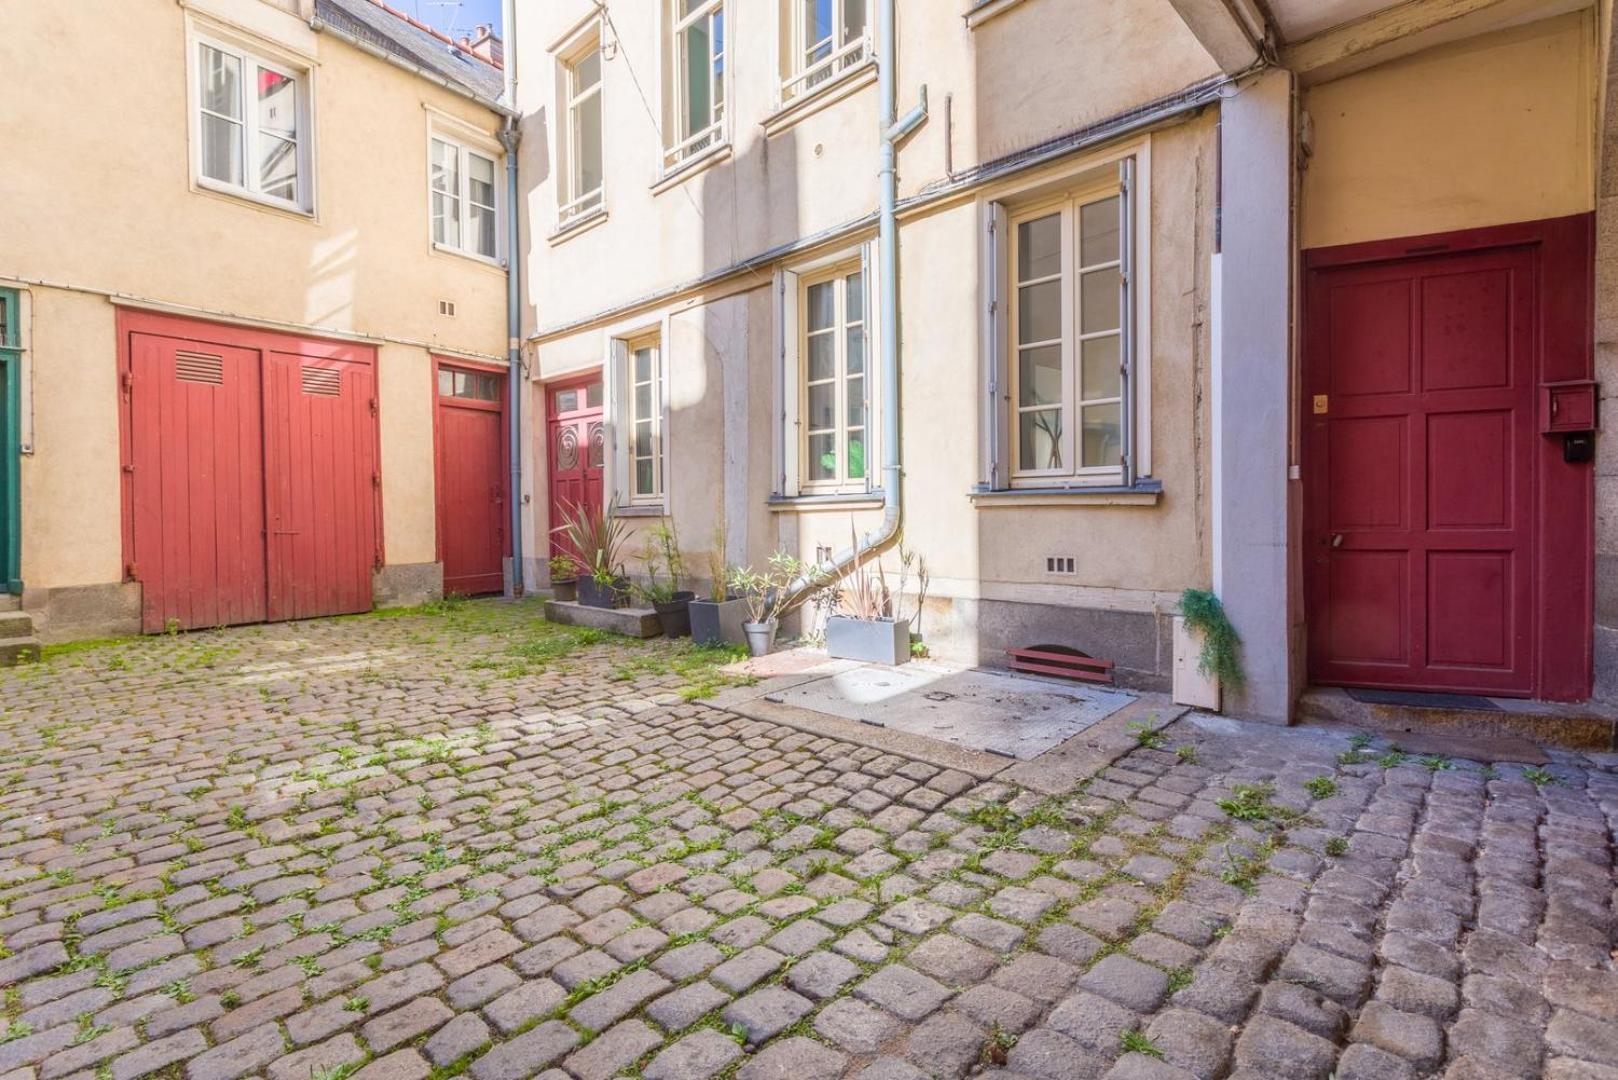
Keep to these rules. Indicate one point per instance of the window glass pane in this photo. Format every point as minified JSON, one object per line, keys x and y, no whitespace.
{"x":718,"y":63}
{"x":1039,"y":312}
{"x":221,"y":83}
{"x":822,"y":406}
{"x":853,"y":20}
{"x":643,"y":439}
{"x":856,"y":402}
{"x":698,"y":78}
{"x":1039,"y":375}
{"x":277,"y":104}
{"x":278,"y":167}
{"x":587,"y":72}
{"x":1100,"y":368}
{"x":446,"y":382}
{"x":221,"y":150}
{"x":1040,"y":439}
{"x":823,"y":457}
{"x":445,"y":168}
{"x":645,"y":483}
{"x":822,"y":357}
{"x":1101,"y":434}
{"x":856,"y":350}
{"x":854,"y":301}
{"x":643,"y":401}
{"x":822,"y":305}
{"x":1098,"y":232}
{"x":567,"y":400}
{"x":482,"y":230}
{"x":480,"y":179}
{"x":817,"y":30}
{"x":446,"y":219}
{"x":688,"y":6}
{"x":592,"y":396}
{"x":1039,"y":248}
{"x":854,"y":449}
{"x":587,"y":171}
{"x":643,"y":365}
{"x":1099,"y":300}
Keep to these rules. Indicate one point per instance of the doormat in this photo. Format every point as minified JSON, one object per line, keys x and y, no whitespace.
{"x":1417,"y":700}
{"x":1009,"y":715}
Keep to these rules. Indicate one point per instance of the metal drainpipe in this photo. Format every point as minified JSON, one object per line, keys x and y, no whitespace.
{"x":510,"y":139}
{"x":893,"y":129}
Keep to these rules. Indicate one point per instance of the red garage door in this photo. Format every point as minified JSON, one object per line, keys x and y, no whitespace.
{"x":251,"y":474}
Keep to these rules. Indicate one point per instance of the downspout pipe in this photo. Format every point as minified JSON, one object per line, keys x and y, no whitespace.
{"x":894,"y":129}
{"x":516,"y":385}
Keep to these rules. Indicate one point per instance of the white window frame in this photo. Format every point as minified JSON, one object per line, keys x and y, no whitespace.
{"x":837,"y":277}
{"x":792,"y":437}
{"x":575,"y":205}
{"x":465,"y":148}
{"x":1125,"y":170}
{"x":618,"y":385}
{"x":683,"y":145}
{"x":803,"y":78}
{"x":251,"y":59}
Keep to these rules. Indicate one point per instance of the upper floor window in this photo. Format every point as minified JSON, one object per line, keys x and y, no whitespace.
{"x":698,"y":49}
{"x":252,"y":120}
{"x":581,"y":192}
{"x":464,"y":194}
{"x":827,"y":37}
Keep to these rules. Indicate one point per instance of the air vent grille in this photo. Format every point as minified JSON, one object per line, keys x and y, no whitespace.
{"x":326,"y":382}
{"x":1059,"y":564}
{"x":446,"y":307}
{"x":195,"y":367}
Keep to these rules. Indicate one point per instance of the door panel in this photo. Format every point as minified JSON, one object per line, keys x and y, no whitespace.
{"x":1419,"y":498}
{"x":576,"y":450}
{"x":196,"y":452}
{"x":472,"y":511}
{"x":321,"y":481}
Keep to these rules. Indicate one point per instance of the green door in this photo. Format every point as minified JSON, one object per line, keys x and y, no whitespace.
{"x":10,"y":425}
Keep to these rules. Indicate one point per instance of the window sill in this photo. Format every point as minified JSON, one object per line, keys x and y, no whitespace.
{"x":581,"y":224}
{"x":446,"y":249}
{"x":214,"y":187}
{"x":691,"y":166}
{"x":1141,"y":493}
{"x":849,"y":500}
{"x":984,"y":10}
{"x":789,"y":113}
{"x":643,"y":510}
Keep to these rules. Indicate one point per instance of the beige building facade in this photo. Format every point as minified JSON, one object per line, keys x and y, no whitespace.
{"x":269,"y":193}
{"x":1119,"y":225}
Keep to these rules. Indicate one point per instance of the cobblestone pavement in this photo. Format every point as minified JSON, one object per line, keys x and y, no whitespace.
{"x":398,"y":848}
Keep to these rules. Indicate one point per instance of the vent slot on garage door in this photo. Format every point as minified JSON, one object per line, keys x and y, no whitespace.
{"x":325,"y":382}
{"x":195,"y":367}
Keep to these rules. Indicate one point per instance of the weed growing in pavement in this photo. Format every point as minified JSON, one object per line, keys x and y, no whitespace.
{"x":1321,"y":787}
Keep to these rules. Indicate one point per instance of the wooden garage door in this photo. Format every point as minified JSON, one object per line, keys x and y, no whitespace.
{"x":251,"y":486}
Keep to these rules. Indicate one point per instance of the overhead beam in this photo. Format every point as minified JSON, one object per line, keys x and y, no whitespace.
{"x":1232,"y":31}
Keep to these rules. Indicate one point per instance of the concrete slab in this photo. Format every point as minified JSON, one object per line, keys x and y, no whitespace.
{"x":631,"y":622}
{"x":1013,"y":716}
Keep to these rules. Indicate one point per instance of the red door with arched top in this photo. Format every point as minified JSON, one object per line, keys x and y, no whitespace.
{"x":576,"y":448}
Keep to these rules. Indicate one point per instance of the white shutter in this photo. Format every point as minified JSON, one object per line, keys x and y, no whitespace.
{"x":996,"y":444}
{"x":1126,"y":320}
{"x":615,"y":379}
{"x":789,"y":379}
{"x":874,"y":434}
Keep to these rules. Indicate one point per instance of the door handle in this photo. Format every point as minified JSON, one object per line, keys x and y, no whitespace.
{"x":1336,"y":540}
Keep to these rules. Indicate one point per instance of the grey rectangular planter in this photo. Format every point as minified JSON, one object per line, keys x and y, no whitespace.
{"x":876,"y":641}
{"x":718,"y":624}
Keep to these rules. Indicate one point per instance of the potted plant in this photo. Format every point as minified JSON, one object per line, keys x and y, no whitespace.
{"x":597,"y":536}
{"x":564,"y":577}
{"x":671,"y":602}
{"x":770,"y":594}
{"x":717,"y":620}
{"x":864,"y":626}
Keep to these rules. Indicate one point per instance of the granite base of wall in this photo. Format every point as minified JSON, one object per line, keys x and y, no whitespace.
{"x":407,"y":584}
{"x":77,"y":612}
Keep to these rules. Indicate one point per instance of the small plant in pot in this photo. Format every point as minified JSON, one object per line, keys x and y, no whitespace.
{"x":672,"y":603}
{"x":717,"y":618}
{"x":597,"y":536}
{"x":866,"y":625}
{"x":770,"y":594}
{"x":564,"y":577}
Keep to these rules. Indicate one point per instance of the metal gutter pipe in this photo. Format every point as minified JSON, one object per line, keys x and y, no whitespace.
{"x":893,"y":130}
{"x":516,"y":385}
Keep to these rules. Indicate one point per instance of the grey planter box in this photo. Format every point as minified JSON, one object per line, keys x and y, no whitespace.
{"x":876,"y":641}
{"x":718,"y":624}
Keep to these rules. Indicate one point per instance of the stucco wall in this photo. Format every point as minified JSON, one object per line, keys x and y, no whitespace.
{"x":1486,"y":131}
{"x":105,"y":206}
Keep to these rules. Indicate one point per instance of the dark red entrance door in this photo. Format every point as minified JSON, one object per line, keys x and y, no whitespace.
{"x":577,"y":448}
{"x":472,"y":532}
{"x":1420,"y":452}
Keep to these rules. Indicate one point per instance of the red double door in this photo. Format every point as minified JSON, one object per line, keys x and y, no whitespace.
{"x":250,"y":474}
{"x":576,"y":449}
{"x":1431,"y":499}
{"x":473,"y":513}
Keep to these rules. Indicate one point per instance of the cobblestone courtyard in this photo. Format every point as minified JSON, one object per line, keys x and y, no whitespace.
{"x":458,"y":841}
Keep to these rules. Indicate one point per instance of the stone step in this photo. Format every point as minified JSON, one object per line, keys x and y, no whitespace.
{"x":1578,"y":726}
{"x":16,"y":624}
{"x":18,"y":650}
{"x":10,"y":602}
{"x":631,"y":622}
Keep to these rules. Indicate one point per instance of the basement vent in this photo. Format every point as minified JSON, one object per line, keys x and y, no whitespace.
{"x":446,"y":307}
{"x":1059,"y":564}
{"x":199,"y":367}
{"x":327,"y":382}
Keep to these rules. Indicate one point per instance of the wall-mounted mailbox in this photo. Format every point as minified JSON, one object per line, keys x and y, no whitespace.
{"x":1566,"y":407}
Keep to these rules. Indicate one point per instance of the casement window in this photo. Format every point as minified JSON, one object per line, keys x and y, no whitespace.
{"x":827,"y":386}
{"x":824,"y":39}
{"x":1063,"y":335}
{"x":252,"y":126}
{"x":464,"y":194}
{"x":639,"y":404}
{"x":582,"y":191}
{"x":699,"y":60}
